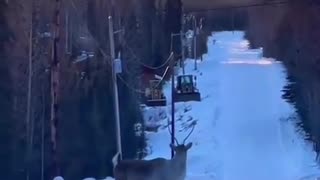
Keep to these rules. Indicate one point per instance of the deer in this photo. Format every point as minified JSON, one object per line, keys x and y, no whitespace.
{"x":158,"y":168}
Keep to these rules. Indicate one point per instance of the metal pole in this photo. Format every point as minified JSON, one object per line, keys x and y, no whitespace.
{"x":171,"y":43}
{"x":67,"y":31}
{"x":43,"y":116}
{"x":195,"y":42}
{"x":115,"y":88}
{"x":232,"y":11}
{"x":182,"y":52}
{"x":182,"y":40}
{"x":172,"y":104}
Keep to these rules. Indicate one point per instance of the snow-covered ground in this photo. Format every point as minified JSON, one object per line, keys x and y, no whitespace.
{"x":243,"y":131}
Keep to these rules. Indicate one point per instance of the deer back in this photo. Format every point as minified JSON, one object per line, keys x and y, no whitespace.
{"x":155,"y":169}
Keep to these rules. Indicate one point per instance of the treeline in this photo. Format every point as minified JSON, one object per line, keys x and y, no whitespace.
{"x":6,"y":120}
{"x":290,"y":33}
{"x":86,"y":129}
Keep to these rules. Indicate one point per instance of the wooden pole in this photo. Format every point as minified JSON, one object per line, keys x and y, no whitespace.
{"x":55,"y":85}
{"x":182,"y":39}
{"x":195,"y":42}
{"x":43,"y":115}
{"x":182,"y":51}
{"x":172,"y":104}
{"x":30,"y":69}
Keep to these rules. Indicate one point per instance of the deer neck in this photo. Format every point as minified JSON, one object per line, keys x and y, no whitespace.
{"x":179,"y":163}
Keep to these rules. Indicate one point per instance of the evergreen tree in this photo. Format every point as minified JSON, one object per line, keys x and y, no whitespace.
{"x":6,"y":121}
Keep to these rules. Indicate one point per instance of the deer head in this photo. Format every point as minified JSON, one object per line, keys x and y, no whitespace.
{"x":172,"y":146}
{"x":181,"y":148}
{"x":179,"y":160}
{"x":181,"y":152}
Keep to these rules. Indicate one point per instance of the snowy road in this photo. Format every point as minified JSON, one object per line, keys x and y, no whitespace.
{"x":240,"y":135}
{"x":249,"y":129}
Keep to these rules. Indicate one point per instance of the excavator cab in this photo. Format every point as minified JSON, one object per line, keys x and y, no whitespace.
{"x":186,"y":89}
{"x":154,"y":94}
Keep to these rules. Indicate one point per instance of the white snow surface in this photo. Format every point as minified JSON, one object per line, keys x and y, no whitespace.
{"x":243,"y":130}
{"x":58,"y":178}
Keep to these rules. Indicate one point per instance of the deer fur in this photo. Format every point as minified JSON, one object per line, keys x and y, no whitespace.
{"x":155,"y":169}
{"x":158,"y":168}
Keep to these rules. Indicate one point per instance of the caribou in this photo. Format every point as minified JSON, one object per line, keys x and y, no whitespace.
{"x":158,"y":168}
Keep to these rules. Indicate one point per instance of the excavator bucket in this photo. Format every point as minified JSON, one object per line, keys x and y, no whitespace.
{"x":156,"y":102}
{"x":186,"y":97}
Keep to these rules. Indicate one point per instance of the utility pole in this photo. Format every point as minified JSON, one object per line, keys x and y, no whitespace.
{"x":171,"y":47}
{"x":232,"y":11}
{"x":200,"y":29}
{"x":55,"y":86}
{"x":43,"y":116}
{"x":30,"y":73}
{"x":182,"y":40}
{"x":182,"y":51}
{"x":67,"y":32}
{"x":34,"y":54}
{"x":172,"y":104}
{"x":115,"y":88}
{"x":195,"y":41}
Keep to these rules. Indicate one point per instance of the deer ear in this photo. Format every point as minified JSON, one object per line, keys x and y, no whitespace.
{"x":189,"y":145}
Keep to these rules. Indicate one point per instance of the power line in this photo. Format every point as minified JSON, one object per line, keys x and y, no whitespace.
{"x":127,"y":84}
{"x":124,"y":81}
{"x":138,"y":60}
{"x":164,"y":74}
{"x":130,"y":87}
{"x":105,"y":55}
{"x":243,"y":6}
{"x":138,"y":90}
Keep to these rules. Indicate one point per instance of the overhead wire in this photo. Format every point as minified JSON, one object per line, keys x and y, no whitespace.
{"x":138,"y":60}
{"x":243,"y":6}
{"x":120,"y":77}
{"x":157,"y":85}
{"x":127,"y":83}
{"x":164,"y":74}
{"x":130,"y":49}
{"x":105,"y":55}
{"x":130,"y":87}
{"x":138,"y":90}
